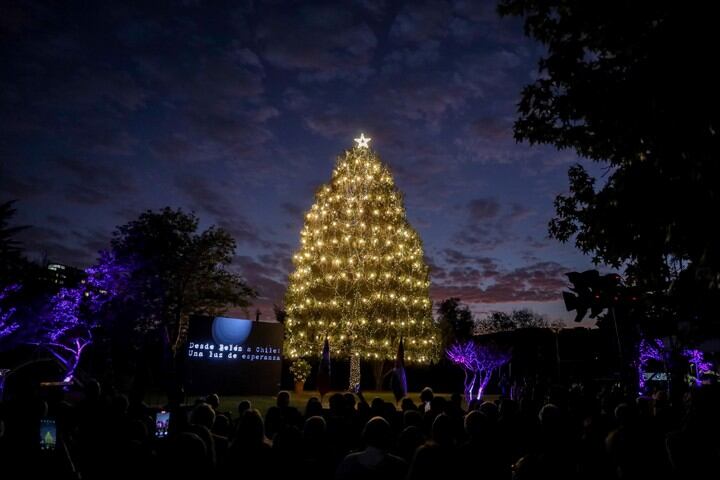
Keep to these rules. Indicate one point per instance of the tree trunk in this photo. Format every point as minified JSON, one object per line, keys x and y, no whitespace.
{"x":677,"y":384}
{"x":172,"y":381}
{"x":378,"y":370}
{"x":354,"y":372}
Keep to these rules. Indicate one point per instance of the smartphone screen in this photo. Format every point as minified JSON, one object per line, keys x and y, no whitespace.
{"x":48,"y":434}
{"x":162,"y":420}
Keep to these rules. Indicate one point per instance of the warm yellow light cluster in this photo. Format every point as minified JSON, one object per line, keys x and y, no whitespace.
{"x":360,"y":277}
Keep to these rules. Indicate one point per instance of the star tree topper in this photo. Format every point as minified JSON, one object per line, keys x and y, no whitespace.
{"x":363,"y":142}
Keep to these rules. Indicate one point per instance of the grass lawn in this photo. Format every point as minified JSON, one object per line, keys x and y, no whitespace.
{"x":263,"y":402}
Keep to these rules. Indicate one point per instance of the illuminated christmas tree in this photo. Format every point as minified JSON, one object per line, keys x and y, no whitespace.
{"x":360,"y":278}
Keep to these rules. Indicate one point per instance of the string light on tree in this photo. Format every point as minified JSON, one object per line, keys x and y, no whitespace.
{"x":360,"y":278}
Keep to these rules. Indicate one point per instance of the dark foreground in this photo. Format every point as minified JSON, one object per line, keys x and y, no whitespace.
{"x":547,"y":433}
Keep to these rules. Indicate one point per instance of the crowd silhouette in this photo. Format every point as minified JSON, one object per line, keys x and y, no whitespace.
{"x":557,"y":433}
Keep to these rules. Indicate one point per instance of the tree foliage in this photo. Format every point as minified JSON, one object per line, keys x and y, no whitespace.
{"x":176,"y":272}
{"x":360,"y":277}
{"x":12,"y":261}
{"x":8,"y":324}
{"x":67,"y":325}
{"x":630,"y":85}
{"x":503,"y":322}
{"x":455,"y":321}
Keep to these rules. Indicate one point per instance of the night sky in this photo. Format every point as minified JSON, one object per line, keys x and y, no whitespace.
{"x":237,"y":110}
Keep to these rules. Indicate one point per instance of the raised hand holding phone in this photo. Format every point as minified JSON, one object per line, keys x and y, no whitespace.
{"x":162,"y":421}
{"x":48,"y":434}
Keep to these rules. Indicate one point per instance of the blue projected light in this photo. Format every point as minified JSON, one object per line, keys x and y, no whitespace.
{"x":231,"y":330}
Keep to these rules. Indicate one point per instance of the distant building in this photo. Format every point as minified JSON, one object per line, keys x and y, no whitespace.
{"x":61,"y":275}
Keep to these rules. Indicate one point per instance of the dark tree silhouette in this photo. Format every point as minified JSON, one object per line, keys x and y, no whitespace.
{"x":630,"y":85}
{"x":8,"y":324}
{"x":177,"y":271}
{"x":11,"y":257}
{"x":503,"y":322}
{"x":455,"y":321}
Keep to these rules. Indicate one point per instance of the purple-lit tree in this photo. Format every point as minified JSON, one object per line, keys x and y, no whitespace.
{"x":697,"y":359}
{"x":66,"y":332}
{"x":66,"y":328}
{"x":648,"y":350}
{"x":7,"y":324}
{"x":658,"y":350}
{"x":478,"y":361}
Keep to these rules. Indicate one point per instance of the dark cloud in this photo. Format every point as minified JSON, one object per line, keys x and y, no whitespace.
{"x":477,"y":21}
{"x":420,"y":21}
{"x":518,"y":212}
{"x":279,"y":261}
{"x":91,"y":240}
{"x":489,"y":225}
{"x":431,"y":178}
{"x":483,"y":209}
{"x":268,"y":280}
{"x":538,"y":282}
{"x":217,"y":105}
{"x":331,"y":122}
{"x":58,"y":219}
{"x":127,"y":213}
{"x":436,"y":271}
{"x":455,"y":257}
{"x":320,"y":41}
{"x":428,"y":96}
{"x":56,"y":244}
{"x":493,"y":128}
{"x":458,"y":268}
{"x":139,"y":64}
{"x":13,"y":187}
{"x":237,"y":109}
{"x":295,"y":99}
{"x":207,"y":196}
{"x":204,"y":195}
{"x":79,"y":193}
{"x":293,"y":209}
{"x":93,"y":183}
{"x":424,"y":54}
{"x":537,"y":243}
{"x":486,"y":237}
{"x":212,"y":197}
